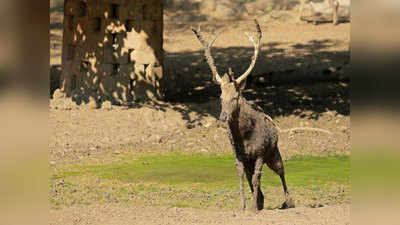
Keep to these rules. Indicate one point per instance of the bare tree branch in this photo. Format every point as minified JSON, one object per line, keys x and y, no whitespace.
{"x":306,"y":129}
{"x":298,"y":128}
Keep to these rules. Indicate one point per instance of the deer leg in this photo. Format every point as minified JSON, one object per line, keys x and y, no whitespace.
{"x":240,"y":172}
{"x":276,"y":165}
{"x":258,"y":197}
{"x":289,"y":202}
{"x":249,"y":170}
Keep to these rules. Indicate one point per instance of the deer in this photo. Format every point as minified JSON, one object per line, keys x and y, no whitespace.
{"x":252,"y":134}
{"x":334,"y":11}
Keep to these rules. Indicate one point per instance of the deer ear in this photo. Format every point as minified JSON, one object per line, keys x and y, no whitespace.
{"x":225,"y":79}
{"x":241,"y":85}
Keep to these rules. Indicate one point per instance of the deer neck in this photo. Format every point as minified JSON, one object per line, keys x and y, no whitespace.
{"x":238,"y":116}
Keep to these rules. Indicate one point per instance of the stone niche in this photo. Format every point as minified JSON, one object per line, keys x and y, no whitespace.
{"x":112,"y":50}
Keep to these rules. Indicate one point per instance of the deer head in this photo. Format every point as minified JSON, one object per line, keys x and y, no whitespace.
{"x":231,"y":88}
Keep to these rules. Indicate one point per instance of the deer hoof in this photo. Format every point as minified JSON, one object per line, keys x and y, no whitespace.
{"x":257,"y":208}
{"x":289,"y":203}
{"x":260,"y":204}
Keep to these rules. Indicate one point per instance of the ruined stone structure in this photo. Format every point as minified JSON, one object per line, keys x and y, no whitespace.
{"x":112,"y":50}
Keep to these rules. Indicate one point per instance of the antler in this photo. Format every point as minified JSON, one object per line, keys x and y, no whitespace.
{"x":207,"y":52}
{"x":256,"y":44}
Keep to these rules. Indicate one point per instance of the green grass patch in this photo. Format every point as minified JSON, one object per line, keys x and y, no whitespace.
{"x":199,"y":181}
{"x":216,"y":172}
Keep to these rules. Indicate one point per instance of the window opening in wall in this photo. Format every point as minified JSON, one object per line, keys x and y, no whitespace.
{"x":70,"y":20}
{"x":130,"y":55}
{"x":113,"y":38}
{"x":97,"y":24}
{"x":155,"y":27}
{"x":128,"y":25}
{"x":144,"y":12}
{"x":116,"y":69}
{"x":114,"y":11}
{"x":132,"y":84}
{"x":73,"y":82}
{"x":85,"y":66}
{"x":70,"y":52}
{"x":82,"y":8}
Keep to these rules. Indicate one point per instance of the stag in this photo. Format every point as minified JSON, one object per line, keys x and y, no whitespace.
{"x":252,"y":133}
{"x":334,"y":11}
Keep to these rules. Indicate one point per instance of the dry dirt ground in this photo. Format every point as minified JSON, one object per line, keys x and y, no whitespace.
{"x":81,"y":134}
{"x":189,"y":124}
{"x":130,"y":214}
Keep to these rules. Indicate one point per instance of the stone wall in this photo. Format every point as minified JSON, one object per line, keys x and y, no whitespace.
{"x":112,"y":50}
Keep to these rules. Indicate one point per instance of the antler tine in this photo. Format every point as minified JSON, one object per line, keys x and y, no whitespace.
{"x":207,"y":52}
{"x":215,"y":38}
{"x":256,"y":44}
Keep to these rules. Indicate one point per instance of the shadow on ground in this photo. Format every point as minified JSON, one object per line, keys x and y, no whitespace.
{"x":283,"y":83}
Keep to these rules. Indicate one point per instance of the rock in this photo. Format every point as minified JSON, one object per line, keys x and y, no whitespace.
{"x":58,"y":94}
{"x":316,"y":205}
{"x":107,"y":105}
{"x":343,"y":129}
{"x":92,"y":103}
{"x":208,"y":122}
{"x":68,"y":104}
{"x":283,"y":16}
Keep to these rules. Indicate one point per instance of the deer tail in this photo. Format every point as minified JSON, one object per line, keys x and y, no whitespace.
{"x":273,"y":122}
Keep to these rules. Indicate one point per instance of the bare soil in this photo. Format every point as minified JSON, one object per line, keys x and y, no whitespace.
{"x":118,"y":214}
{"x":83,"y":133}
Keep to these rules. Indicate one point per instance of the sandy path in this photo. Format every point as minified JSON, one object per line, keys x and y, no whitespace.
{"x":131,"y":214}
